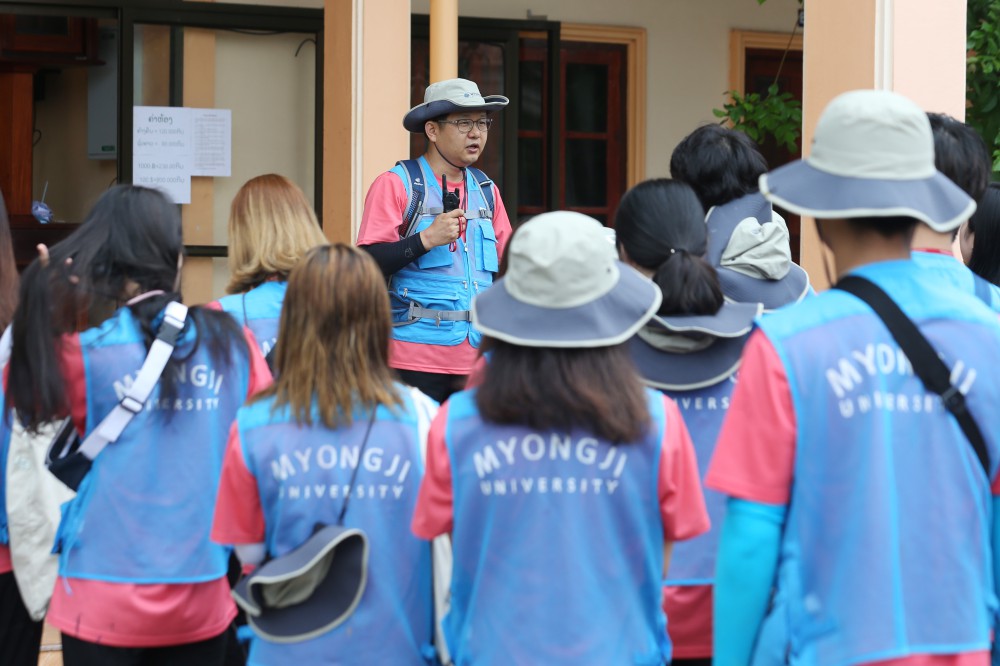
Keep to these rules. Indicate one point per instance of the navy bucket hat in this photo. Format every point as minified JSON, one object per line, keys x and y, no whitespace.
{"x":565,"y":287}
{"x":872,"y":156}
{"x":308,"y":591}
{"x":748,"y":244}
{"x":714,"y":356}
{"x":450,"y":96}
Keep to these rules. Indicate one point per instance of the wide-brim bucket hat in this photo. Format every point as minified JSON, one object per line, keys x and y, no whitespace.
{"x":450,"y":96}
{"x":748,"y":244}
{"x":723,"y":335}
{"x":308,"y":591}
{"x":872,"y":156}
{"x":565,"y":287}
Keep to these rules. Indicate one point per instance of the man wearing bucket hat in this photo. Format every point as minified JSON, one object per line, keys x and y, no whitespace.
{"x":438,"y":243}
{"x":860,"y":512}
{"x":748,"y":241}
{"x":562,"y":480}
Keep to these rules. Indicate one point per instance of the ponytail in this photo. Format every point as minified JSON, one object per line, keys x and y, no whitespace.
{"x":689,"y":284}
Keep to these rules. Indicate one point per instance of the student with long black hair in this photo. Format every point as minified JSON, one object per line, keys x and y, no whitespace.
{"x":563,"y":481}
{"x":690,"y":350}
{"x":139,"y":580}
{"x":979,"y":237}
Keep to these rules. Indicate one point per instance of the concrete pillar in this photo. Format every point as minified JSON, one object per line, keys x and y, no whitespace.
{"x":913,"y":47}
{"x":196,"y":217}
{"x":366,"y":92}
{"x":444,"y":40}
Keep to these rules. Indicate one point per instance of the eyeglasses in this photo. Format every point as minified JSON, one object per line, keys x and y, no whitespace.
{"x":465,"y":125}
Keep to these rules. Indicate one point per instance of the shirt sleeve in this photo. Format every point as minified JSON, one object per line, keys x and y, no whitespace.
{"x":501,"y":223}
{"x":260,"y":374}
{"x":385,"y":205}
{"x":682,"y":502}
{"x":434,"y":513}
{"x":755,"y":455}
{"x":239,"y":517}
{"x":75,"y":378}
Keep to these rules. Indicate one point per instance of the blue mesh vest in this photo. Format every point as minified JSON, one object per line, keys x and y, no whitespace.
{"x":144,"y":511}
{"x":558,"y":544}
{"x":442,"y":279}
{"x":886,"y":548}
{"x":303,"y":473}
{"x":259,"y":310}
{"x":693,"y":561}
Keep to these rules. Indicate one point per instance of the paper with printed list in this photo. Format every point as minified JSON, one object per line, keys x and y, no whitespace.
{"x":171,"y":144}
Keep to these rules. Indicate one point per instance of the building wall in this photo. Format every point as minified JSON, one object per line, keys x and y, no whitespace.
{"x":688,"y":57}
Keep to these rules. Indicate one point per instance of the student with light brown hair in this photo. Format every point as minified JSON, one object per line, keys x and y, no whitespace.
{"x":271,"y":227}
{"x":337,"y":426}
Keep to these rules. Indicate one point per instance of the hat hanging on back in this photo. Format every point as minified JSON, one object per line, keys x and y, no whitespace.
{"x":450,"y":96}
{"x":748,"y":245}
{"x":308,"y":591}
{"x":872,"y":156}
{"x":565,"y":287}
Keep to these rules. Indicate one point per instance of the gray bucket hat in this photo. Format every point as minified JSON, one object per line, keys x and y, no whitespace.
{"x":712,"y":353}
{"x":872,"y":156}
{"x":748,"y":244}
{"x":308,"y":591}
{"x":450,"y":96}
{"x":565,"y":287}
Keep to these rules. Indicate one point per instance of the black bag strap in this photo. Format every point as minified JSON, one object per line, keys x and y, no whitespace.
{"x":927,"y":365}
{"x":486,"y":185}
{"x":416,"y":189}
{"x":354,"y":473}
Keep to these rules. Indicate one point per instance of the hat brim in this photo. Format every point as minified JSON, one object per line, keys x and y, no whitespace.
{"x":330,"y":604}
{"x":741,"y":288}
{"x":608,"y":320}
{"x":803,"y":189}
{"x":731,"y":321}
{"x":415,"y":118}
{"x":668,"y":371}
{"x":773,"y":294}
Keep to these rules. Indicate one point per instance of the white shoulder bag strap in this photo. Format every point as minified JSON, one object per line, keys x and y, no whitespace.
{"x":135,"y":398}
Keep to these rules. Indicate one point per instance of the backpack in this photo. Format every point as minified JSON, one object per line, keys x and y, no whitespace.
{"x":416,"y":190}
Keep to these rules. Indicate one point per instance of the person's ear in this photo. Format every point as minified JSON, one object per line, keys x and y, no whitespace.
{"x":431,"y":130}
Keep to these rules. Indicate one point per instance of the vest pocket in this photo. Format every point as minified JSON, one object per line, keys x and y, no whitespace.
{"x":487,"y":258}
{"x":431,"y":295}
{"x":436,"y":257}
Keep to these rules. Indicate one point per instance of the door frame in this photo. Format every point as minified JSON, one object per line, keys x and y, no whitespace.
{"x":741,"y":40}
{"x":634,"y":40}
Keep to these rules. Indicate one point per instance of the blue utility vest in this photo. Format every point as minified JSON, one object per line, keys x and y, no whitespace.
{"x":886,"y":549}
{"x":259,"y":310}
{"x":144,"y":511}
{"x":442,"y":280}
{"x":303,"y":474}
{"x":558,"y":544}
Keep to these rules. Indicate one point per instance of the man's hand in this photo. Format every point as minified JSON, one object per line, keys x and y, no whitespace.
{"x":443,"y":230}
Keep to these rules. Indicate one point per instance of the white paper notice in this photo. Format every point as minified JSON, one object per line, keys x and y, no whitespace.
{"x":171,"y":144}
{"x":161,"y":150}
{"x":213,"y":134}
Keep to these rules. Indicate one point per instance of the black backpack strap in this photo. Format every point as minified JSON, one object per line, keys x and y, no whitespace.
{"x":486,"y":185}
{"x":927,"y":365}
{"x":416,"y":188}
